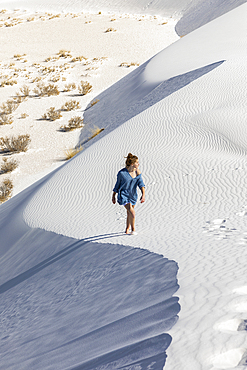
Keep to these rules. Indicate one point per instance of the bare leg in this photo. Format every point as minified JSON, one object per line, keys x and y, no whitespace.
{"x":130,"y":222}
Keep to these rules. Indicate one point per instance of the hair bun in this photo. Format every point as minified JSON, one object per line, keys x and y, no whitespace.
{"x":130,"y":159}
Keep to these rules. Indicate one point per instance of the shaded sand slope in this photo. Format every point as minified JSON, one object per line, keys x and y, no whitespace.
{"x":164,"y":7}
{"x":202,"y":12}
{"x":176,"y":66}
{"x":197,"y":12}
{"x":68,"y":303}
{"x":192,"y":149}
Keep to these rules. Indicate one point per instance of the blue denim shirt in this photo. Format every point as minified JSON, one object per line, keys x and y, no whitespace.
{"x":126,"y":187}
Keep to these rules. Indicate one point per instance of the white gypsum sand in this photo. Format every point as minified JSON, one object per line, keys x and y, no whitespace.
{"x":185,"y":120}
{"x":30,"y":55}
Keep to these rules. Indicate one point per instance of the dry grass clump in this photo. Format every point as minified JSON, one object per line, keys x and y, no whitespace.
{"x":15,"y":144}
{"x":24,"y":115}
{"x":46,"y":90}
{"x":71,"y":105}
{"x":8,"y":165}
{"x":8,"y":82}
{"x":51,"y":58}
{"x":6,"y":119}
{"x":110,"y":30}
{"x":69,"y":87}
{"x":5,"y":190}
{"x":19,"y":57}
{"x":9,"y":107}
{"x":74,"y":123}
{"x":124,"y":64}
{"x":64,"y":54}
{"x":84,"y":88}
{"x":24,"y":92}
{"x":70,"y":153}
{"x":79,"y":59}
{"x":95,"y":131}
{"x":94,"y":102}
{"x":52,"y":115}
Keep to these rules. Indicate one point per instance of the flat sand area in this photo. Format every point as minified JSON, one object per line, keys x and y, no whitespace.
{"x":64,"y":49}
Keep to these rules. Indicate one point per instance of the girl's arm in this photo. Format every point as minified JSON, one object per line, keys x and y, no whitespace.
{"x":143,"y":195}
{"x":116,"y":188}
{"x":114,"y":197}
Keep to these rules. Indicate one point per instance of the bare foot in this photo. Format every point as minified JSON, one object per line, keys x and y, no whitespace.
{"x":127,"y":231}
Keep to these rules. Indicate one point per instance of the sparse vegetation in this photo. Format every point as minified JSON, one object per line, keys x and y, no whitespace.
{"x":84,"y":88}
{"x":8,"y":165}
{"x":64,"y":54}
{"x":110,"y":30}
{"x":46,"y":90}
{"x":78,"y":59}
{"x":24,"y":115}
{"x":124,"y":64}
{"x":95,"y":131}
{"x":5,"y":190}
{"x":25,"y":91}
{"x":71,"y":105}
{"x":74,"y":123}
{"x":9,"y":107}
{"x":52,"y":114}
{"x":6,"y":119}
{"x":15,"y":144}
{"x":70,"y":153}
{"x":69,"y":87}
{"x":94,"y":102}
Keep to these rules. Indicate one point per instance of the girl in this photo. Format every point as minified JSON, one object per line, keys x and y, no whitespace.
{"x":126,"y":187}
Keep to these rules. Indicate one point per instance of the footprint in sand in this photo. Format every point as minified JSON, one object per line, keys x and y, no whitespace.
{"x":230,"y":359}
{"x":237,"y":357}
{"x":218,"y":229}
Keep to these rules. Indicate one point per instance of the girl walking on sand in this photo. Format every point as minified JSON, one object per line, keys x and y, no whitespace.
{"x":128,"y":179}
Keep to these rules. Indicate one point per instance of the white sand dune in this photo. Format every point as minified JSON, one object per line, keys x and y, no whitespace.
{"x":183,"y":113}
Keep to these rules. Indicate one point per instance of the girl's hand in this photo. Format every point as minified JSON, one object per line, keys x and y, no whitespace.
{"x":113,"y":199}
{"x":142,"y":199}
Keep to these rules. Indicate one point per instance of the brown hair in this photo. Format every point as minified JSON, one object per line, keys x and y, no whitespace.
{"x":131,"y":159}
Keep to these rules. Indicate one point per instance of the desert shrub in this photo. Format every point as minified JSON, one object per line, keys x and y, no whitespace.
{"x":74,"y":123}
{"x":24,"y":91}
{"x":15,"y":144}
{"x":110,"y":30}
{"x":70,"y":153}
{"x":46,"y":90}
{"x":124,"y":64}
{"x":71,"y":105}
{"x":94,"y":102}
{"x":52,"y":115}
{"x":8,"y":165}
{"x":95,"y":131}
{"x":84,"y":88}
{"x":8,"y":82}
{"x":78,"y":59}
{"x":64,"y":54}
{"x":69,"y":87}
{"x":5,"y":190}
{"x":24,"y":115}
{"x":6,"y":119}
{"x":9,"y":107}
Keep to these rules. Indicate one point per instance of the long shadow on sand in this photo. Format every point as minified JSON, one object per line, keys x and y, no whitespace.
{"x":87,"y":305}
{"x":129,"y":97}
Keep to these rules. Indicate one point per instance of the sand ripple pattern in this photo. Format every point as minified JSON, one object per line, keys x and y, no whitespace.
{"x":86,"y":305}
{"x":192,"y":151}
